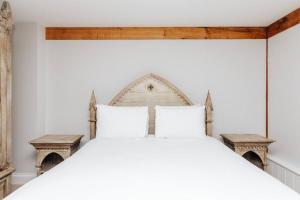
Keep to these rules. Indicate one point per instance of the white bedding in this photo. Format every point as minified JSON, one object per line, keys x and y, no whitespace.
{"x":154,"y":169}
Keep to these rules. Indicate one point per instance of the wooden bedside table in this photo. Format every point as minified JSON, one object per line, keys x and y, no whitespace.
{"x":251,"y":146}
{"x":53,"y":149}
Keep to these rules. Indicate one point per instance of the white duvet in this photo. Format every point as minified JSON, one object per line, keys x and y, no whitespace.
{"x":154,"y":169}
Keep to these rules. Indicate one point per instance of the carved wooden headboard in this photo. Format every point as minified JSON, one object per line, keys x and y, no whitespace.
{"x":150,"y":90}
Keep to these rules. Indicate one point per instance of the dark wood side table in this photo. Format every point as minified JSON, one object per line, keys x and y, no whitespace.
{"x":53,"y":149}
{"x":251,"y":146}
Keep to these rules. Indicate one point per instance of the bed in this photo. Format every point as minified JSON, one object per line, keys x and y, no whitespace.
{"x":154,"y":168}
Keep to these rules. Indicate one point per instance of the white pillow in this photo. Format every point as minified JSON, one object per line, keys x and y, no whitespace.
{"x":117,"y":121}
{"x":180,"y":121}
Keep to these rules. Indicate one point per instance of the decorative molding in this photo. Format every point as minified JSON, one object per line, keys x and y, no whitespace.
{"x":284,"y":23}
{"x":152,"y":33}
{"x":249,"y":147}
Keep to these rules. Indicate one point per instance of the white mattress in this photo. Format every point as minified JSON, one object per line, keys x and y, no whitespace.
{"x":152,"y":168}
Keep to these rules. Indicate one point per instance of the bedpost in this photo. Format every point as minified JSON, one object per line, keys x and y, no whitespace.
{"x":93,"y":116}
{"x":208,"y":109}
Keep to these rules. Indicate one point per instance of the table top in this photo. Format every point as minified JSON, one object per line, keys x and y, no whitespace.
{"x":56,"y":139}
{"x":246,"y":138}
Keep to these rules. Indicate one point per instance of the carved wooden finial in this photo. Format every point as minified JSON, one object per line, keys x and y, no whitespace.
{"x":93,"y":115}
{"x":6,"y":16}
{"x":93,"y":101}
{"x":208,"y":102}
{"x":6,"y":10}
{"x":209,"y":117}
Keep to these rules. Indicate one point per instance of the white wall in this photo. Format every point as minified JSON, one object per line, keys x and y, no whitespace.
{"x":57,"y":79}
{"x":28,"y":96}
{"x":232,"y":70}
{"x":284,"y":96}
{"x":24,"y":94}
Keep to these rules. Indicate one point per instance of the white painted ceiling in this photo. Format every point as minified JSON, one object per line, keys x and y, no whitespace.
{"x":152,"y":12}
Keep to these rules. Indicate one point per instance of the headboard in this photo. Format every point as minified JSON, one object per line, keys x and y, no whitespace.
{"x":150,"y":90}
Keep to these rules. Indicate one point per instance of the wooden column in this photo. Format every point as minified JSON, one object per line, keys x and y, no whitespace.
{"x":5,"y":97}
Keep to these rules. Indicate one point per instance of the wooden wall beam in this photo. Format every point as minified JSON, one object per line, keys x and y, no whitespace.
{"x":284,"y":23}
{"x":146,"y":33}
{"x":267,"y":88}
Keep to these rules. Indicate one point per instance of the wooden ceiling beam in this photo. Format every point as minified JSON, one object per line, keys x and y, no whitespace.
{"x":284,"y":23}
{"x":146,"y":33}
{"x":172,"y":33}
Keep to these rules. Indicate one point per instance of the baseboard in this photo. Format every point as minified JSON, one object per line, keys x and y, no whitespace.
{"x":22,"y":178}
{"x":282,"y":172}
